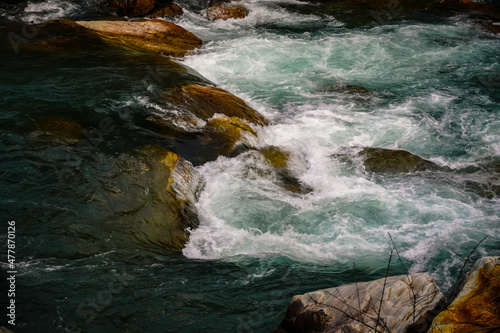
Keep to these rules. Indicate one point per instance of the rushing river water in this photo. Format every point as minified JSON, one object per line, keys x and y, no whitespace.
{"x":434,"y":90}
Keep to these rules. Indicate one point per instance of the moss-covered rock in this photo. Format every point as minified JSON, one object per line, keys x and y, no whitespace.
{"x":279,"y":159}
{"x":205,"y":101}
{"x":477,"y":306}
{"x":169,"y":210}
{"x":381,"y":160}
{"x":228,"y":131}
{"x":276,"y":156}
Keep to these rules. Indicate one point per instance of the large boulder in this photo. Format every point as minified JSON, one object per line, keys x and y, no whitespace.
{"x":131,"y":8}
{"x":477,"y":306}
{"x":148,"y":200}
{"x":152,"y":35}
{"x":409,"y":303}
{"x":382,"y":160}
{"x":205,"y":101}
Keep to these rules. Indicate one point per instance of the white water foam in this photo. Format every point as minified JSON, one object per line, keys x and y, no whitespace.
{"x":48,"y":10}
{"x":244,"y":211}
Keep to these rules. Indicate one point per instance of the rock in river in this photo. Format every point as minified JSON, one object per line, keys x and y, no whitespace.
{"x":394,"y":161}
{"x":477,"y":306}
{"x":409,"y":303}
{"x":171,"y":10}
{"x":152,"y":35}
{"x":205,"y":101}
{"x":225,"y":12}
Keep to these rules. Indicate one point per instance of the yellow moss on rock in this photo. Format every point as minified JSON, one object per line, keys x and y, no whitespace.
{"x":477,"y":305}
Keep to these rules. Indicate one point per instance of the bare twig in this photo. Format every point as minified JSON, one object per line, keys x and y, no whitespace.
{"x":457,"y":280}
{"x":407,"y":276}
{"x":357,"y":289}
{"x":383,"y":289}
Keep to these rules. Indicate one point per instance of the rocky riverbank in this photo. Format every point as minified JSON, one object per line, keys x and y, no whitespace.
{"x":406,"y":303}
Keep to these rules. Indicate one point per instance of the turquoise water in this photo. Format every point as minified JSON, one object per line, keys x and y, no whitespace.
{"x":85,"y":264}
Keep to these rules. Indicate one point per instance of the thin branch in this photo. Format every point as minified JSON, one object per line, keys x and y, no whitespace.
{"x":383,"y":289}
{"x":407,"y":276}
{"x":357,"y":289}
{"x":340,"y":310}
{"x":455,"y":285}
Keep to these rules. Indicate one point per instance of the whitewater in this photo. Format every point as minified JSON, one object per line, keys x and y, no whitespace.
{"x":430,"y":86}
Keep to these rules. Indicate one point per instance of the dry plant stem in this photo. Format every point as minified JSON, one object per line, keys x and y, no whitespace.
{"x":383,"y":289}
{"x":407,"y":276}
{"x":457,"y":280}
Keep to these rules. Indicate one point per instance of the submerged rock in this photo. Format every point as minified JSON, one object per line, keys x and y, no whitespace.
{"x":58,"y":129}
{"x":409,"y":303}
{"x":167,"y":210}
{"x":205,"y":101}
{"x":153,"y":35}
{"x":130,"y":8}
{"x":484,"y":179}
{"x":382,"y":160}
{"x":5,"y":330}
{"x":477,"y":306}
{"x":344,"y":89}
{"x":279,"y":159}
{"x":228,"y":131}
{"x":494,"y":28}
{"x":171,"y":10}
{"x":225,"y":12}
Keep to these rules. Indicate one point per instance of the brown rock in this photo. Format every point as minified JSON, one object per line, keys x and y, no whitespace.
{"x":173,"y":181}
{"x":477,"y":306}
{"x":219,"y":12}
{"x":172,"y":10}
{"x":131,"y":8}
{"x":205,"y":101}
{"x":59,"y":129}
{"x":279,"y":159}
{"x":494,"y":28}
{"x":394,"y":161}
{"x":153,"y":35}
{"x":227,"y":131}
{"x":409,"y":303}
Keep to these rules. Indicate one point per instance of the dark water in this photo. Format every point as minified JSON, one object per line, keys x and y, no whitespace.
{"x":87,"y":258}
